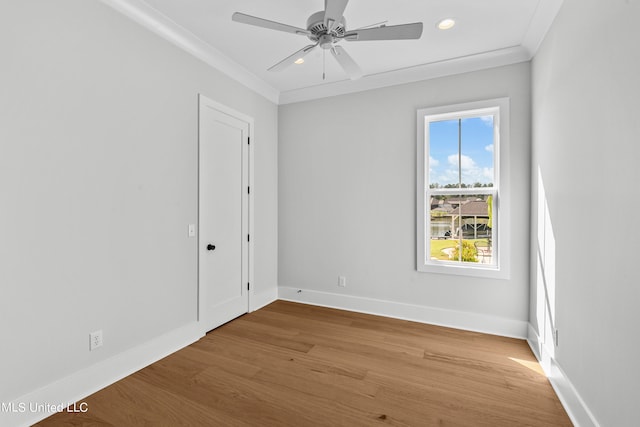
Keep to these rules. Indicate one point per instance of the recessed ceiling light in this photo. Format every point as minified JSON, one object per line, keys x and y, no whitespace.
{"x":446,"y":24}
{"x":299,"y":61}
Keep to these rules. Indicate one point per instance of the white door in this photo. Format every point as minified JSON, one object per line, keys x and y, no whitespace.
{"x":224,"y":216}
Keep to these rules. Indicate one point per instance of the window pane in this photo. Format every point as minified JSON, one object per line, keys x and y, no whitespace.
{"x":442,"y":227}
{"x":443,"y":154}
{"x":461,"y":221}
{"x":476,"y":157}
{"x":473,"y":217}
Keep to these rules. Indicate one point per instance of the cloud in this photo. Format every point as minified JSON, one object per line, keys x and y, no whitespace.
{"x":489,"y":148}
{"x":449,"y":176}
{"x":488,"y":174}
{"x":466,"y":162}
{"x":471,"y":171}
{"x":433,"y":164}
{"x":487,"y":120}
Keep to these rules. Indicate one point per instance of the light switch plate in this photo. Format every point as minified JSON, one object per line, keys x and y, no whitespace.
{"x":192,"y":230}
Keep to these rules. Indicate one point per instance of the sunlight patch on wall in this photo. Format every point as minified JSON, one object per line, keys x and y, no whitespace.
{"x":545,"y":273}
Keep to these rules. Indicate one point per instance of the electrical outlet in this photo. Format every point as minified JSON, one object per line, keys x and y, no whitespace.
{"x":342,"y":281}
{"x":95,"y":340}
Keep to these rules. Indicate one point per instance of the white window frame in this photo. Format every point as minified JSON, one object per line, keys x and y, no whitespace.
{"x":500,"y":190}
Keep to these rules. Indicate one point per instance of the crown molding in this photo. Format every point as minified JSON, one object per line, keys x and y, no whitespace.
{"x":465,"y":64}
{"x":143,"y":14}
{"x":541,"y":22}
{"x":140,"y":12}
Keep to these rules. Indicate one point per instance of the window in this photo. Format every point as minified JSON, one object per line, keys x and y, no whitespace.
{"x":462,"y":209}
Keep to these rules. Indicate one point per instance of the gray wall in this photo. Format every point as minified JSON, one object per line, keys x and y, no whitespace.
{"x":347,"y":192}
{"x":585,"y":125}
{"x":98,"y":181}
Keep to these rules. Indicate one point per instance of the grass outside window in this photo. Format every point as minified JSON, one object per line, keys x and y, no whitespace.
{"x":438,"y":247}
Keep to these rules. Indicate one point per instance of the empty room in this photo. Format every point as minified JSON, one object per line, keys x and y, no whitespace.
{"x":319,"y":212}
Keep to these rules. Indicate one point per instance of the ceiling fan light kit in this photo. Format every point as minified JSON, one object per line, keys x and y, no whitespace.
{"x":326,"y":29}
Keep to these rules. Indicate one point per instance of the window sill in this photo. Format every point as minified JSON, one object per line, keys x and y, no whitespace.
{"x":473,"y":270}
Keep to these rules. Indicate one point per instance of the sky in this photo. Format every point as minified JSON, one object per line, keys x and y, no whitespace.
{"x":476,"y":156}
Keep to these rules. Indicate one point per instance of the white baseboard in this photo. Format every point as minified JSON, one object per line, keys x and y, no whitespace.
{"x":576,"y":408}
{"x":417,"y":313}
{"x":259,"y":300}
{"x":85,"y":382}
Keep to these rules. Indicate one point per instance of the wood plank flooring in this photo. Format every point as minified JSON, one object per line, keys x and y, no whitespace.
{"x":291,"y":364}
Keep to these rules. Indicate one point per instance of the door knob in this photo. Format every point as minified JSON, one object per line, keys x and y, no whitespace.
{"x":211,"y":247}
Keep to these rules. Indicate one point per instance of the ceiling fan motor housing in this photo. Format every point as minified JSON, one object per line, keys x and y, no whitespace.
{"x":319,"y":32}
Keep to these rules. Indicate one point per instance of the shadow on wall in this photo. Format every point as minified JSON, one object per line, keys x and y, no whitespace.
{"x":545,"y":274}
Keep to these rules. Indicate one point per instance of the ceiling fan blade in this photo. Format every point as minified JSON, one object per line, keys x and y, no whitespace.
{"x":392,"y":32}
{"x":265,"y":23}
{"x":333,"y":11}
{"x":346,"y":62}
{"x":292,"y":58}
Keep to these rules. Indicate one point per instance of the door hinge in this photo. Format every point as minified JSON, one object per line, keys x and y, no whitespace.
{"x":248,"y":190}
{"x":248,"y":286}
{"x":248,"y":140}
{"x":248,"y":238}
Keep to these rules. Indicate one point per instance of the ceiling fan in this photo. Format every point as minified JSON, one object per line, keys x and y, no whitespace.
{"x":326,"y":29}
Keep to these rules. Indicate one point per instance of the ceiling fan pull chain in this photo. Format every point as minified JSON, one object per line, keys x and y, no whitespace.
{"x":324,"y":55}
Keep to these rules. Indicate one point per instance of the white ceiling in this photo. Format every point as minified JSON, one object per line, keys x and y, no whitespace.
{"x":487,"y":33}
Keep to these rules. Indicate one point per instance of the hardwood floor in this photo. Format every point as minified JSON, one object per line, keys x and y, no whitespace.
{"x":298,"y":365}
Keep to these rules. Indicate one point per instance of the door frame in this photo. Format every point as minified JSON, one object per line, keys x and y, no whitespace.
{"x":247,"y":262}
